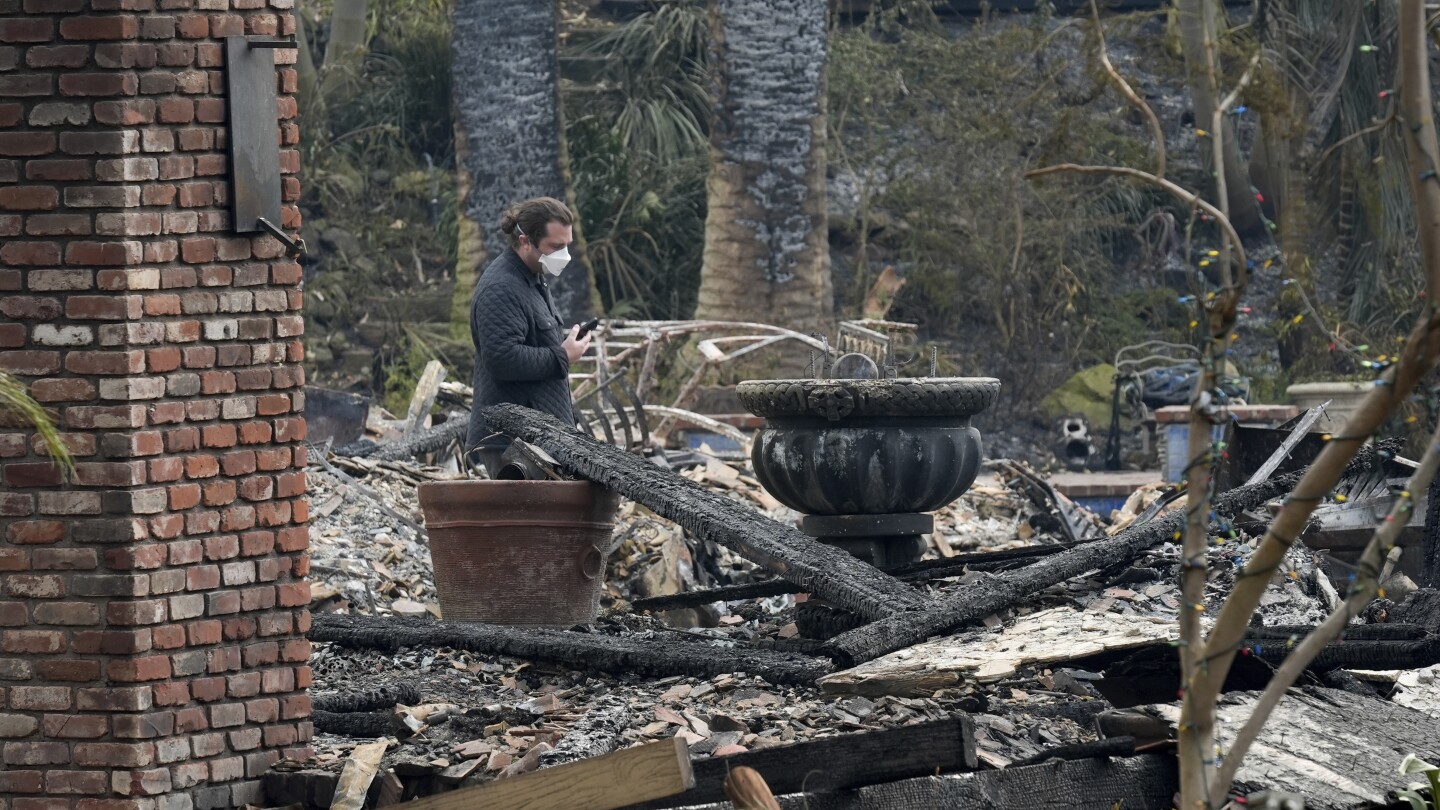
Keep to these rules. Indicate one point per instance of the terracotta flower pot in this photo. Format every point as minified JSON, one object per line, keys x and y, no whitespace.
{"x":521,"y":553}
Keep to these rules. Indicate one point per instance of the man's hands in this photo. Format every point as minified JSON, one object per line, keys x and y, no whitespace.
{"x":575,"y":348}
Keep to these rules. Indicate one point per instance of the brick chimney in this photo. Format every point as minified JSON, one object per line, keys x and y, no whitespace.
{"x":152,"y":607}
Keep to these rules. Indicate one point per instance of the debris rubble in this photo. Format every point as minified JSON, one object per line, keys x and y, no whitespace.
{"x":1070,"y":659}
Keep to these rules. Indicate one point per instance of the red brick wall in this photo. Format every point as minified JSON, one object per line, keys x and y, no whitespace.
{"x":153,"y":607}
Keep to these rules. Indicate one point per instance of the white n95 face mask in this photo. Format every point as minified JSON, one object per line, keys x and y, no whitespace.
{"x":555,"y":263}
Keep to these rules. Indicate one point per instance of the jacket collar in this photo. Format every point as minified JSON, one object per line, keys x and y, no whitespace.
{"x":535,"y":280}
{"x":518,"y":265}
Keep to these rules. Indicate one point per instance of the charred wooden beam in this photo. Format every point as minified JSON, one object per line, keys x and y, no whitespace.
{"x":843,"y":762}
{"x":1152,"y":673}
{"x":817,"y":568}
{"x":1107,"y":747}
{"x":1355,"y":654}
{"x":352,"y":724}
{"x":383,"y":697}
{"x":984,"y":598}
{"x":1430,"y":539}
{"x":428,"y":441}
{"x":590,"y":652}
{"x":726,"y":593}
{"x":1355,"y":632}
{"x":911,"y":572}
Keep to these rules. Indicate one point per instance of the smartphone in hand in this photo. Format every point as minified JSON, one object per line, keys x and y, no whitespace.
{"x":587,"y":328}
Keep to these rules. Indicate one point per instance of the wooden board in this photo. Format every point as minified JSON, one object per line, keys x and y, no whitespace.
{"x":603,"y":783}
{"x":1132,"y":783}
{"x":1336,"y":748}
{"x":841,"y":762}
{"x":359,"y":772}
{"x":1058,"y":634}
{"x":424,"y":397}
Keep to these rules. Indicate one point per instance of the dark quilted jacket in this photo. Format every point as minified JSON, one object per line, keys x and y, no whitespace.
{"x":518,"y":357}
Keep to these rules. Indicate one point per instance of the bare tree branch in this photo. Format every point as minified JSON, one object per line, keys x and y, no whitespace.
{"x":1130,"y":95}
{"x":1366,"y":587}
{"x":1417,"y":359}
{"x":1181,"y":193}
{"x":1245,"y":79}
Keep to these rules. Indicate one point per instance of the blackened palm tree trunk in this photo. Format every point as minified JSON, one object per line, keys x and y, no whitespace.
{"x":509,"y":138}
{"x":766,"y":241}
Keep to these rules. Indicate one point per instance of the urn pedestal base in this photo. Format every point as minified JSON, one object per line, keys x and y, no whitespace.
{"x":884,"y":541}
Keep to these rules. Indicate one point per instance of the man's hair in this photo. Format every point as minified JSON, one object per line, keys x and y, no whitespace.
{"x":533,"y":218}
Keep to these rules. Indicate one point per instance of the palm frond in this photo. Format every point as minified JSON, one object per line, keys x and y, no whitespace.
{"x":15,"y":399}
{"x":657,"y":66}
{"x":1313,"y":43}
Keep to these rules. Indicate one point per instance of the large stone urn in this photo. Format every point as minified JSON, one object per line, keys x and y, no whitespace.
{"x":865,"y":460}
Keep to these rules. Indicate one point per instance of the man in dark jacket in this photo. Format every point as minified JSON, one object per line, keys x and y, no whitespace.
{"x":522,"y":349}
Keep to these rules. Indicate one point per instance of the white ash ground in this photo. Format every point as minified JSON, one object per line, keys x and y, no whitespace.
{"x":511,"y":706}
{"x":367,"y":561}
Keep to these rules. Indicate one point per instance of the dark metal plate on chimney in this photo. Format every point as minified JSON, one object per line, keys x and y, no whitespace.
{"x":254,"y":134}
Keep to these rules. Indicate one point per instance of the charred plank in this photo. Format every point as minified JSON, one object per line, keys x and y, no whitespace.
{"x":922,"y":571}
{"x":843,"y":762}
{"x":1094,"y":784}
{"x":352,"y":724}
{"x":433,"y":440}
{"x":817,"y":568}
{"x":1356,"y":632}
{"x":984,"y":598}
{"x":591,"y":652}
{"x":1152,"y":674}
{"x":384,"y":697}
{"x":1107,"y":747}
{"x":1356,"y":654}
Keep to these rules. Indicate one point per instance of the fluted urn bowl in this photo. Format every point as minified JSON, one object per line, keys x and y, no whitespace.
{"x":867,"y":447}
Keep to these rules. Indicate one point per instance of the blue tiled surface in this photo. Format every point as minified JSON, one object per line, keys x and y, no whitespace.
{"x":1177,"y":440}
